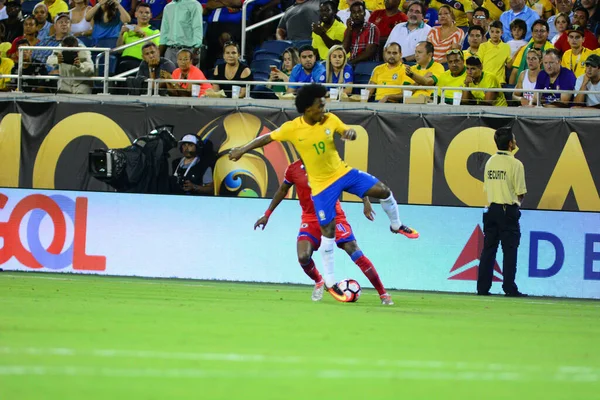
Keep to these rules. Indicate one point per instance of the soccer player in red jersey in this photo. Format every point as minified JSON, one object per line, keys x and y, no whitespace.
{"x":309,"y":237}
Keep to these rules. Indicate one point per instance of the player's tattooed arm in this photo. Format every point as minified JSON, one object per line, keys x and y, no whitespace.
{"x":368,"y":209}
{"x":349,"y":134}
{"x":237,"y":152}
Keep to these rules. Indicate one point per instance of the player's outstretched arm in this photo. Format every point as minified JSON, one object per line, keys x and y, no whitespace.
{"x":279,"y":195}
{"x":349,"y":134}
{"x":237,"y":152}
{"x":368,"y":209}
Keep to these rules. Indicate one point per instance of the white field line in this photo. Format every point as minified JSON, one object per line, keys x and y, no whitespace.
{"x":178,"y":373}
{"x":361,"y":368}
{"x":41,"y":370}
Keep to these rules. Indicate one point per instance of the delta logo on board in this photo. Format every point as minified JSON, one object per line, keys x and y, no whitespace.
{"x":466,"y":266}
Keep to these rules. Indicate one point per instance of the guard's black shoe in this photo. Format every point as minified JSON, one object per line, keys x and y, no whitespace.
{"x":516,"y":294}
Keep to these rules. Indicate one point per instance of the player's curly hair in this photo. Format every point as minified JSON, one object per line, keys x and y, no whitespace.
{"x":307,"y":95}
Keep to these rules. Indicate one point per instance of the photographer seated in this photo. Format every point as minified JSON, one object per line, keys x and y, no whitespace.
{"x":193,"y":173}
{"x":73,"y":64}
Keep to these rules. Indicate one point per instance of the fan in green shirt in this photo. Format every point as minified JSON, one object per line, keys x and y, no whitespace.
{"x":133,"y":33}
{"x":476,"y":78}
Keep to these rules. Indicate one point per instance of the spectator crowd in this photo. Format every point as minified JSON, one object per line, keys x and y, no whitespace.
{"x":472,"y":45}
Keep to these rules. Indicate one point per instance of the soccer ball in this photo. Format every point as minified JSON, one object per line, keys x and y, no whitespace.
{"x":351,"y":289}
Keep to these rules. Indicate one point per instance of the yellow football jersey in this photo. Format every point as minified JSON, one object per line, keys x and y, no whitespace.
{"x":316,"y":147}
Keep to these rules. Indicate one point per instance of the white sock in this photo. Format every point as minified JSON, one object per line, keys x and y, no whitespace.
{"x":326,"y":250}
{"x":390,"y":207}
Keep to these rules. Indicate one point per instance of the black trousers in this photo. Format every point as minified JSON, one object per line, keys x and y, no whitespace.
{"x":500,"y":224}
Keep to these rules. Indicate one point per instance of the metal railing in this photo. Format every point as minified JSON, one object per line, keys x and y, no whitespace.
{"x":106,"y":51}
{"x":246,"y":29}
{"x":153,"y":85}
{"x":126,"y":46}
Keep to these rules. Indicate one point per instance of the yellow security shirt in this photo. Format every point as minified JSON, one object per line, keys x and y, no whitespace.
{"x":576,"y":63}
{"x":504,"y":179}
{"x":487,"y":81}
{"x":460,"y":8}
{"x":383,"y":75}
{"x":447,"y":80}
{"x":336,"y":32}
{"x":315,"y":145}
{"x":436,"y":70}
{"x":494,"y":58}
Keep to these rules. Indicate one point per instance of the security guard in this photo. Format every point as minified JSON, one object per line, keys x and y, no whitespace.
{"x":504,"y":183}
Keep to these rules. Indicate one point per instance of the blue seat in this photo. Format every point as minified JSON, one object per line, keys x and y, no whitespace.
{"x":366,"y":67}
{"x":275,"y":46}
{"x":362,"y":73}
{"x":299,"y":43}
{"x":106,"y":42}
{"x":266,"y":55}
{"x":28,"y":6}
{"x":112,"y":64}
{"x":260,"y":76}
{"x":264,"y":66}
{"x":86,"y":40}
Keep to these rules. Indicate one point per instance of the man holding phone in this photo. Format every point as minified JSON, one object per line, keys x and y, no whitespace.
{"x":73,"y":64}
{"x":361,"y":39}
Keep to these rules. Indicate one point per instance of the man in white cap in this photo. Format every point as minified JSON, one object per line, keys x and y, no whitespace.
{"x":193,"y":173}
{"x":62,"y":28}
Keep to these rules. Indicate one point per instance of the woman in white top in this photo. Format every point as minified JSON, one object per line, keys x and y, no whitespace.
{"x":561,"y":23}
{"x":79,"y":25}
{"x":528,"y":77}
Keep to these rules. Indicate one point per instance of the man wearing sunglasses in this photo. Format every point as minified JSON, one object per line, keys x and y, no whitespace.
{"x":493,"y":8}
{"x":454,"y":76}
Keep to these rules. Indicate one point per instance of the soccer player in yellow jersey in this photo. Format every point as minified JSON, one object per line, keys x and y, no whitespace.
{"x":312,"y":134}
{"x":477,"y":78}
{"x":391,"y":73}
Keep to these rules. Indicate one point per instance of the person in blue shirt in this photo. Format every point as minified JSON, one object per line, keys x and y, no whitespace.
{"x":518,"y":9}
{"x":309,"y":70}
{"x":555,"y":77}
{"x":337,"y":69}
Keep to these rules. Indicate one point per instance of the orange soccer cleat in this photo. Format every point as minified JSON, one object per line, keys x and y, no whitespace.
{"x":406,"y":231}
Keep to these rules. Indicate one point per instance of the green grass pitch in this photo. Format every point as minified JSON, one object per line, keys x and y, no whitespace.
{"x":90,"y":337}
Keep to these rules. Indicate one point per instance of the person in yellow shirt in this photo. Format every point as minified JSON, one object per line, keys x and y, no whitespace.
{"x":504,"y":185}
{"x":495,"y":54}
{"x":6,"y":66}
{"x":370,"y":5}
{"x":454,"y":76}
{"x":393,"y":72}
{"x":574,"y":58}
{"x":312,"y":134}
{"x":543,"y":8}
{"x":55,"y":7}
{"x":477,"y":78}
{"x":462,"y":10}
{"x":475,"y":37}
{"x":494,"y":7}
{"x":329,"y":31}
{"x":425,"y":72}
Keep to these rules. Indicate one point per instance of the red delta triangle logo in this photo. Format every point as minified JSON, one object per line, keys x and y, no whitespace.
{"x":466,"y":266}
